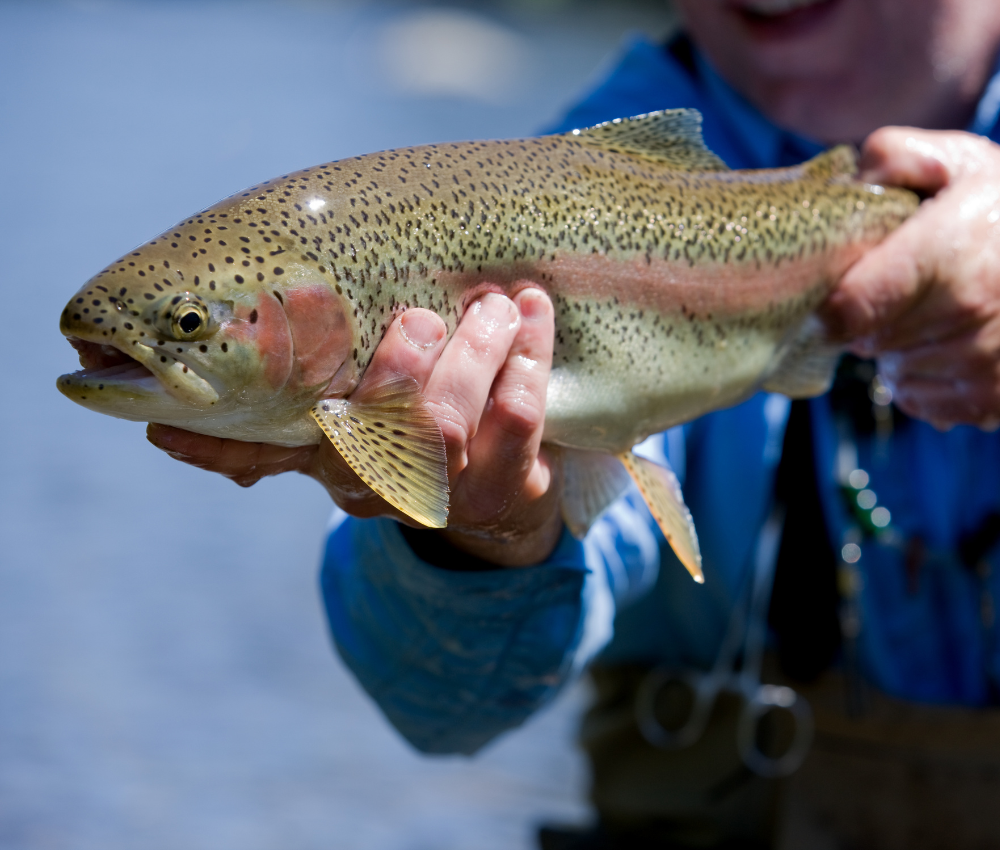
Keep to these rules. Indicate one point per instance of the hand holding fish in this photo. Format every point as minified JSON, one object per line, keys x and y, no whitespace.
{"x":486,"y":388}
{"x":926,"y":301}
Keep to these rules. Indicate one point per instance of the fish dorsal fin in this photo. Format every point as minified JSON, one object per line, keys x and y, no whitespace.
{"x":392,"y":441}
{"x":662,"y":492}
{"x":591,"y":482}
{"x":670,"y":136}
{"x":839,"y":162}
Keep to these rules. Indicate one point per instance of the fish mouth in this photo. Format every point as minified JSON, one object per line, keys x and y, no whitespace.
{"x":113,"y":376}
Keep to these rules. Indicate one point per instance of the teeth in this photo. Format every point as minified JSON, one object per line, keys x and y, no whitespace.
{"x":778,"y":7}
{"x":123,"y":371}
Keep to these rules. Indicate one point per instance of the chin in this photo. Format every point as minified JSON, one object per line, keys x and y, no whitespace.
{"x":818,"y":41}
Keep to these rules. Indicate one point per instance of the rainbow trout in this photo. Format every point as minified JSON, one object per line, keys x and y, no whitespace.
{"x":679,"y":287}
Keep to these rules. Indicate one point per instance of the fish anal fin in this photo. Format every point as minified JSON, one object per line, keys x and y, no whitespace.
{"x":392,"y":441}
{"x":671,"y":136}
{"x":805,"y":365}
{"x":591,"y":482}
{"x":662,"y":492}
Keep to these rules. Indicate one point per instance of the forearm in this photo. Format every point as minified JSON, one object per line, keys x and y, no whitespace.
{"x":454,"y":658}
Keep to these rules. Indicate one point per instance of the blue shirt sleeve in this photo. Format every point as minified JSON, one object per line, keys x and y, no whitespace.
{"x":455,"y":658}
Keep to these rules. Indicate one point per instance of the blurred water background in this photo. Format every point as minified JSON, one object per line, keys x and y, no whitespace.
{"x":165,"y":675}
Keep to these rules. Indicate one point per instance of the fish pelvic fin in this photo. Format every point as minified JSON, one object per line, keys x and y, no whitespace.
{"x":662,"y":492}
{"x":670,"y":136}
{"x":591,"y":482}
{"x":391,"y":440}
{"x":805,"y":364}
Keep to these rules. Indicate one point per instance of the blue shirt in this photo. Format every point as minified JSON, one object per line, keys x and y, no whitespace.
{"x":455,"y":658}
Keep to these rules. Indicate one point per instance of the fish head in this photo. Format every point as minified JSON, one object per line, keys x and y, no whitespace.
{"x":215,"y":326}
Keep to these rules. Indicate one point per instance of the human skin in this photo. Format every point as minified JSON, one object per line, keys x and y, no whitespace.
{"x":837,"y":70}
{"x":926,"y":301}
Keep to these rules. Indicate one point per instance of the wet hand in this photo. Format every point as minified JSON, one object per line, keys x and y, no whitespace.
{"x":486,"y":388}
{"x":926,"y":301}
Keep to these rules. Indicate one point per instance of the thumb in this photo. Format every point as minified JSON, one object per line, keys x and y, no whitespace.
{"x":905,"y":156}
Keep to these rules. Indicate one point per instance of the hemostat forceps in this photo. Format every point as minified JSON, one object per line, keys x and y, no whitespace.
{"x":746,"y":632}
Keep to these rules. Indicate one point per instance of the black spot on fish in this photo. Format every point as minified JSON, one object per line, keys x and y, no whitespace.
{"x":225,"y":347}
{"x":253,"y":317}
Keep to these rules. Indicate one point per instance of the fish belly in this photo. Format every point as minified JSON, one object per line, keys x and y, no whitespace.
{"x":615,"y":397}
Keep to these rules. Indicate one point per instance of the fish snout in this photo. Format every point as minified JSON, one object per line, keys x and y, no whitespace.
{"x":94,"y":316}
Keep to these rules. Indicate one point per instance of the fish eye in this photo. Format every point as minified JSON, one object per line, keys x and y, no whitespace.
{"x":189,"y":319}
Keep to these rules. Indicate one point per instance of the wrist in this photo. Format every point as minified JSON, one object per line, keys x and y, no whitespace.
{"x":470,"y":552}
{"x":509,"y":550}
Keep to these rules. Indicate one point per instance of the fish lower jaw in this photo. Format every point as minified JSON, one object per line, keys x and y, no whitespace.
{"x":127,"y":390}
{"x":142,"y":370}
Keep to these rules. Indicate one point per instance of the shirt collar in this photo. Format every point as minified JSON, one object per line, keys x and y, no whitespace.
{"x":988,"y":111}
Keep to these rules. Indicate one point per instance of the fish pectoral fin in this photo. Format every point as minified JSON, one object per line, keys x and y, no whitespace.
{"x":671,"y":136}
{"x":662,"y":492}
{"x":591,"y":482}
{"x":805,"y":365}
{"x":392,"y":441}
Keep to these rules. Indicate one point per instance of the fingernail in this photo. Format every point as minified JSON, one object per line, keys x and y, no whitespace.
{"x":532,"y":303}
{"x":165,"y":438}
{"x":500,"y":306}
{"x":421,"y":329}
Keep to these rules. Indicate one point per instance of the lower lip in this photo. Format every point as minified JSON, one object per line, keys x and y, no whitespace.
{"x":789,"y":25}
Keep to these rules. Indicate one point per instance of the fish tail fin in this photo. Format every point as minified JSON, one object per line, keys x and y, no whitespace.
{"x":804,"y":366}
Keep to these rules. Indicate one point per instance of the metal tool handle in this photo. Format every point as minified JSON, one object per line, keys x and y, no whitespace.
{"x":774,"y":698}
{"x":703,"y":688}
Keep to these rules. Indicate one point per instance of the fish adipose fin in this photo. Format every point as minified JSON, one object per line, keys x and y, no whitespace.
{"x":671,"y":136}
{"x":591,"y":482}
{"x":805,"y":364}
{"x":841,"y":161}
{"x":391,"y":440}
{"x":662,"y":492}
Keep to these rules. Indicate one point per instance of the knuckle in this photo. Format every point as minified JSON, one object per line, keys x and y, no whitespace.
{"x":518,"y":415}
{"x":457,"y":426}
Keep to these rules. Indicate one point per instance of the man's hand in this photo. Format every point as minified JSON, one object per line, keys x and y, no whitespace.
{"x":926,"y":301}
{"x":486,"y":388}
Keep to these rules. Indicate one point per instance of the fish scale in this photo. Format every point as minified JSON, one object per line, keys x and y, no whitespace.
{"x":679,"y":286}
